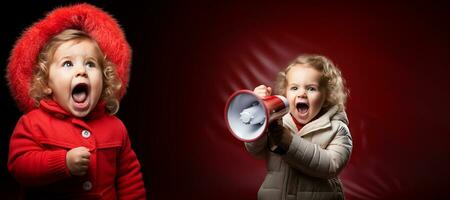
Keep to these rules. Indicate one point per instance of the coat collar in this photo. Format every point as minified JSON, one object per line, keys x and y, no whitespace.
{"x":50,"y":106}
{"x":323,"y":122}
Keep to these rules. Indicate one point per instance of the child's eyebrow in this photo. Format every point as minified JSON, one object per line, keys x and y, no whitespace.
{"x":92,"y":58}
{"x":313,"y":84}
{"x":62,"y":58}
{"x":306,"y":85}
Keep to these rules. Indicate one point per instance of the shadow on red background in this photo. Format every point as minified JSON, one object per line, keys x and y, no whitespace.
{"x":188,"y":58}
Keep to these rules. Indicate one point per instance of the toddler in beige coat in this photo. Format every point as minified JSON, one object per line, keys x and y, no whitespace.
{"x":310,"y":146}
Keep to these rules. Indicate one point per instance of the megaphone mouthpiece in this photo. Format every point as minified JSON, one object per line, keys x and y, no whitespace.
{"x":253,"y":115}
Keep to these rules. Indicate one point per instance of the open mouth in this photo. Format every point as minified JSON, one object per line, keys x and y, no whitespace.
{"x":302,"y":108}
{"x":80,"y":93}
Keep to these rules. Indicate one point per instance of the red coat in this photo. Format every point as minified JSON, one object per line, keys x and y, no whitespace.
{"x":41,"y":139}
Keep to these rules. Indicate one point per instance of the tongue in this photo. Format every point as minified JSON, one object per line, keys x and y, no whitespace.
{"x":79,"y":97}
{"x":302,"y":109}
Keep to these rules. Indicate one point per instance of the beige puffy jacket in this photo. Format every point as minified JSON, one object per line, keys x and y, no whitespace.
{"x":310,"y":168}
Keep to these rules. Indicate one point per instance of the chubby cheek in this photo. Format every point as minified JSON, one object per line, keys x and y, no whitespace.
{"x":96,"y":84}
{"x":317,"y":105}
{"x":58,"y":91}
{"x":321,"y":99}
{"x":291,"y":100}
{"x":97,"y":90}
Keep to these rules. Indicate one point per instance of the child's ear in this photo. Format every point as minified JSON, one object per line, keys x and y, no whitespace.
{"x":48,"y":91}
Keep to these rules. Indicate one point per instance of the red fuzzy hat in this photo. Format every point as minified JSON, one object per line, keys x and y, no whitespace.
{"x":92,"y":20}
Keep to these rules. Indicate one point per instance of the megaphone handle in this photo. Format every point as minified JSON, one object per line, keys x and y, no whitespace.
{"x":275,"y":134}
{"x":278,"y":149}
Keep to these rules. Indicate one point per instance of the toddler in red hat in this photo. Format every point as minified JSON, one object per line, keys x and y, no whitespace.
{"x":68,"y":73}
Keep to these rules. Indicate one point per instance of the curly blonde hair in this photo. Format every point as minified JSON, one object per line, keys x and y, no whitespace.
{"x":332,"y":79}
{"x":39,"y":83}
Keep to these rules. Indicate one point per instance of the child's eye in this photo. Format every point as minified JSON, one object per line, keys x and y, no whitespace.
{"x":90,"y":64}
{"x":67,"y":64}
{"x":311,"y":89}
{"x":294,"y":88}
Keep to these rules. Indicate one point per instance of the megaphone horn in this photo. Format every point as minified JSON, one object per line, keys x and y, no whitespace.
{"x":248,"y":116}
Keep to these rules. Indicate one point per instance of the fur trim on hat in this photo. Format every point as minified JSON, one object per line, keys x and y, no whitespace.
{"x":97,"y":23}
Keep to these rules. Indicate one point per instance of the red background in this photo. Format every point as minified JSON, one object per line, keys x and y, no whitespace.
{"x":188,"y":58}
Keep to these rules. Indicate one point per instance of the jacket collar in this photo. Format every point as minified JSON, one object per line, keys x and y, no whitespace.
{"x":50,"y":106}
{"x":323,"y":122}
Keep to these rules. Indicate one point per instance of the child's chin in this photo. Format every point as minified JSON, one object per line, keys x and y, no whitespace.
{"x":80,"y":113}
{"x":80,"y":109}
{"x":303,"y":119}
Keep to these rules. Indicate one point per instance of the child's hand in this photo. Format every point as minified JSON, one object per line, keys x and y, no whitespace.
{"x":77,"y":160}
{"x":263,"y":91}
{"x":279,"y":135}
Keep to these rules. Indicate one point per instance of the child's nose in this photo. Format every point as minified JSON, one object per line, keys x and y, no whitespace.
{"x":301,"y":93}
{"x":80,"y":71}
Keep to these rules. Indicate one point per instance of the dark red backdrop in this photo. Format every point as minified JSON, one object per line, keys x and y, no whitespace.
{"x":188,"y":58}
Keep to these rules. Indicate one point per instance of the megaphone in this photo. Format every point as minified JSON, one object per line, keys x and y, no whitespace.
{"x":248,"y":116}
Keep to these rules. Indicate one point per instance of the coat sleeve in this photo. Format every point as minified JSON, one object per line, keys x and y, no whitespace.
{"x":129,"y":178}
{"x":258,"y":148}
{"x":29,"y":162}
{"x":311,"y":159}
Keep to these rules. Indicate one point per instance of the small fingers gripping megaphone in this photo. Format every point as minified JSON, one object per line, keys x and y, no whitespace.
{"x":248,"y":116}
